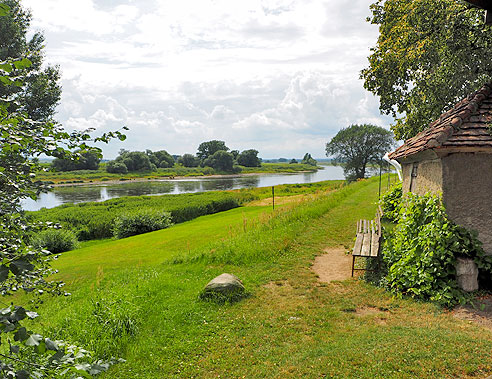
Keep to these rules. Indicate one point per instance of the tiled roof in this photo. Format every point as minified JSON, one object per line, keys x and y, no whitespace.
{"x":465,"y":125}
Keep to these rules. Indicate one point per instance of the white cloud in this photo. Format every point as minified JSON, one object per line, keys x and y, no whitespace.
{"x":280,"y":76}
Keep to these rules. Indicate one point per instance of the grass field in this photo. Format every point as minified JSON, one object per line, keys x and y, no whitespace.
{"x":137,"y":298}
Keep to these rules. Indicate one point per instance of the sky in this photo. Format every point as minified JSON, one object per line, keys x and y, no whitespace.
{"x":278,"y":76}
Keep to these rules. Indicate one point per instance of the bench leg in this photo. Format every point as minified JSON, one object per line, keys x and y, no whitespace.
{"x":353,"y":265}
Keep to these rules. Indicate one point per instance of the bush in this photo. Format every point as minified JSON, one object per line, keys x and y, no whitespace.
{"x":114,"y":167}
{"x":421,"y":252}
{"x":55,"y":240}
{"x":391,"y":202}
{"x":127,"y":225}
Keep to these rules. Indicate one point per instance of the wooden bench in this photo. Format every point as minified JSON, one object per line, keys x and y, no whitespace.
{"x":367,"y":239}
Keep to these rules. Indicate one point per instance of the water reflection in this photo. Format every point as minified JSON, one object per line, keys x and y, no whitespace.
{"x":101,"y":192}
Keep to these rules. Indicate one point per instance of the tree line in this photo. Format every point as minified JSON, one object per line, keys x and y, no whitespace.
{"x":214,"y":154}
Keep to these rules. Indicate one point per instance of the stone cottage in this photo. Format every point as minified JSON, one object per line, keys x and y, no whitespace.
{"x":453,"y":156}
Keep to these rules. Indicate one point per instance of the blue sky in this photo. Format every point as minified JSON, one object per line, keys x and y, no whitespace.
{"x":279,"y":76}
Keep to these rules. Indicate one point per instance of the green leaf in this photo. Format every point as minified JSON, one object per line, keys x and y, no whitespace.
{"x":41,"y":348}
{"x":50,"y":345}
{"x":21,"y":335}
{"x":4,"y":10}
{"x":19,"y":314}
{"x":20,"y":265}
{"x":4,"y":273}
{"x":22,"y":374}
{"x":6,"y":80}
{"x":7,"y":67}
{"x":34,"y":340}
{"x":25,"y":63}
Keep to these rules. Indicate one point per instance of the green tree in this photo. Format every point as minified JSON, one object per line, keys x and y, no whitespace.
{"x":160,"y":158}
{"x":357,"y":146}
{"x":24,"y":267}
{"x":429,"y":55}
{"x":40,"y":91}
{"x":207,"y":149}
{"x":293,"y":161}
{"x":189,"y":160}
{"x":249,"y":158}
{"x":88,"y":160}
{"x":133,"y":160}
{"x":221,"y":160}
{"x":308,"y":159}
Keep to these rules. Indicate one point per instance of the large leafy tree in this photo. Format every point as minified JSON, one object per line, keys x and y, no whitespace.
{"x":249,"y":158}
{"x":25,"y":135}
{"x":429,"y":55}
{"x":40,"y":92}
{"x":358,"y":146}
{"x":209,"y":148}
{"x":220,"y":160}
{"x":88,"y":160}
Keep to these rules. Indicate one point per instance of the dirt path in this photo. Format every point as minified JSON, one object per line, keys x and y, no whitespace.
{"x":333,"y":265}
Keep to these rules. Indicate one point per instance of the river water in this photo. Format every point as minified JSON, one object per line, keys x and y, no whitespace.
{"x":101,"y":191}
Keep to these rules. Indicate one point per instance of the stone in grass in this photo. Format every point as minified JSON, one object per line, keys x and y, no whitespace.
{"x":224,"y":288}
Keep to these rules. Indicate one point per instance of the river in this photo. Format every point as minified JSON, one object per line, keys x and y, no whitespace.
{"x":101,"y":191}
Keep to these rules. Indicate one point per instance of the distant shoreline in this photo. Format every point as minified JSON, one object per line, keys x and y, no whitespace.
{"x":172,"y":178}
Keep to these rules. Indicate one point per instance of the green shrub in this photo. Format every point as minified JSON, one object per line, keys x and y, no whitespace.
{"x":391,"y":202}
{"x":127,"y":225}
{"x":55,"y":240}
{"x":421,"y":252}
{"x":95,"y":220}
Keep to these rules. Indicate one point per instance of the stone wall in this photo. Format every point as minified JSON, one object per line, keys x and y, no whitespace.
{"x":422,"y":177}
{"x":467,"y":192}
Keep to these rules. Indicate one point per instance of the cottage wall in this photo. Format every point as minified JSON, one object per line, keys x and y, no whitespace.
{"x":422,"y":177}
{"x":467,"y":193}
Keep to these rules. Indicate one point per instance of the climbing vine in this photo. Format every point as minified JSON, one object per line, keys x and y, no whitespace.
{"x":421,"y":252}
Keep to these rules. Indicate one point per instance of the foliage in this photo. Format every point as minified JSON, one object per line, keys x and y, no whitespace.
{"x":249,"y":158}
{"x":132,"y":224}
{"x":421,"y":252}
{"x":27,"y":101}
{"x":207,"y":149}
{"x":40,"y":92}
{"x":189,"y":160}
{"x":220,"y":160}
{"x":308,"y":159}
{"x":54,"y":240}
{"x":429,"y":55}
{"x":293,"y":161}
{"x":133,"y":161}
{"x":114,"y":167}
{"x":358,"y":146}
{"x":391,"y":202}
{"x":160,"y":158}
{"x":88,"y":160}
{"x":95,"y":220}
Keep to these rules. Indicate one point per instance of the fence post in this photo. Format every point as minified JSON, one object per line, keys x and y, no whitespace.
{"x":273,"y":197}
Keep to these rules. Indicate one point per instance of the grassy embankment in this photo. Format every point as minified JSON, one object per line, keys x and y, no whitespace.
{"x":137,"y":298}
{"x":88,"y":176}
{"x":94,"y":220}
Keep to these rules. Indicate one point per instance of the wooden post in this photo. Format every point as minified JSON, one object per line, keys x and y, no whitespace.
{"x":380,"y":169}
{"x":273,"y":197}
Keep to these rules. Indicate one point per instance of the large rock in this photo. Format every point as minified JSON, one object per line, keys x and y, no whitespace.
{"x":224,"y":287}
{"x":467,"y":274}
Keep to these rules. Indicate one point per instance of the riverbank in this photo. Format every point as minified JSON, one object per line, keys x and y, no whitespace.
{"x":101,"y":176}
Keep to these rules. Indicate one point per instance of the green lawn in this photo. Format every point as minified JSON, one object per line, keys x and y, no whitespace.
{"x":137,"y":298}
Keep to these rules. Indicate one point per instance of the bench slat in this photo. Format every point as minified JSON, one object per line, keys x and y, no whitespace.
{"x":374,"y":245}
{"x":358,"y":244}
{"x":366,"y":245}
